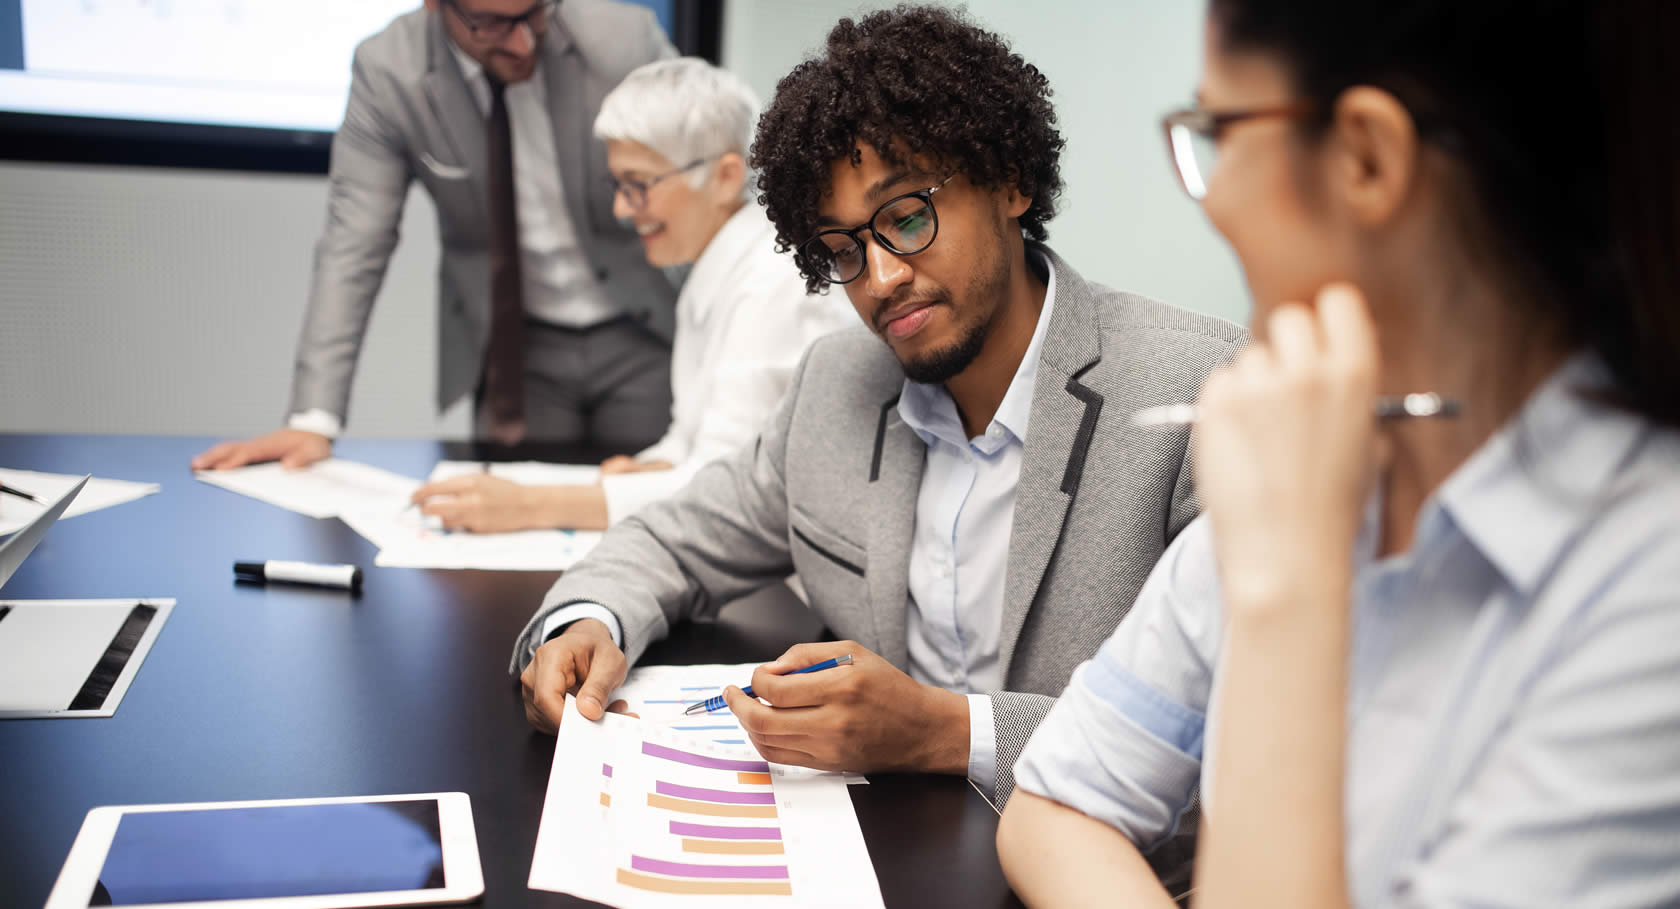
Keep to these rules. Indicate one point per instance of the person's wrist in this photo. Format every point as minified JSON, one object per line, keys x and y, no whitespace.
{"x":945,"y":716}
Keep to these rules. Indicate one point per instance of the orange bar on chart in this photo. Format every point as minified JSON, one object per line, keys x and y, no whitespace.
{"x":711,"y":888}
{"x":753,"y":779}
{"x":606,"y":800}
{"x":732,"y":847}
{"x":713,"y":809}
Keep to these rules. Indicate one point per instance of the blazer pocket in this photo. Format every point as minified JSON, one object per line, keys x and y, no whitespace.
{"x":443,"y":171}
{"x":826,"y":543}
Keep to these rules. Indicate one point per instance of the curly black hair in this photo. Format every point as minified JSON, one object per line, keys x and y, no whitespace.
{"x":914,"y":82}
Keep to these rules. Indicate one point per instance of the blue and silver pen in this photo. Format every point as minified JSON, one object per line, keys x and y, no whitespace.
{"x":716,"y":703}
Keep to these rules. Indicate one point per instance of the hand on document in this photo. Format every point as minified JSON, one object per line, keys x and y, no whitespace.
{"x":867,"y":716}
{"x":582,"y":661}
{"x":484,"y":503}
{"x":293,"y":448}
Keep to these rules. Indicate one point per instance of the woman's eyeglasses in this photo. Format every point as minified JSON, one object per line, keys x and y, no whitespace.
{"x":1193,"y":139}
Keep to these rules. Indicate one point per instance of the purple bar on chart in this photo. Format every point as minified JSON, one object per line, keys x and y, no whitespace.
{"x":684,"y":869}
{"x":606,"y":770}
{"x":684,"y":828}
{"x":715,"y":795}
{"x":700,"y":760}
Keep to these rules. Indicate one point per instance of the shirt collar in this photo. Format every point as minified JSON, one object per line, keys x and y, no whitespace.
{"x":929,"y":410}
{"x":470,"y":69}
{"x":1540,"y":480}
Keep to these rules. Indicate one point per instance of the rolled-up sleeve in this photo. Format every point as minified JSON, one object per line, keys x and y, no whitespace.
{"x":1124,"y":742}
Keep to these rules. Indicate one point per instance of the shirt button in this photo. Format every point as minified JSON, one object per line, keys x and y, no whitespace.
{"x":996,"y":432}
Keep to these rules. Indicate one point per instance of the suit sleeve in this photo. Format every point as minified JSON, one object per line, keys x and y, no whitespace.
{"x":722,"y":537}
{"x":367,"y":183}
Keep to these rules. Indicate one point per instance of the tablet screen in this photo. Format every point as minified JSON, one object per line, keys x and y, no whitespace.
{"x":271,"y":851}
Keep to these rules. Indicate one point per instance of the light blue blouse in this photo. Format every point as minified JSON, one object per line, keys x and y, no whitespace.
{"x":1514,"y":702}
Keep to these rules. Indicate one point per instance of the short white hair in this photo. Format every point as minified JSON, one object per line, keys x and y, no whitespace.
{"x":685,"y":109}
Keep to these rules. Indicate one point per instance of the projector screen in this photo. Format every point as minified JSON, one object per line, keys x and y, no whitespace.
{"x":242,"y":83}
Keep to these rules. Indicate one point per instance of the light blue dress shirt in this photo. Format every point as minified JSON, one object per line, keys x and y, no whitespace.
{"x":960,"y":549}
{"x":1514,"y":700}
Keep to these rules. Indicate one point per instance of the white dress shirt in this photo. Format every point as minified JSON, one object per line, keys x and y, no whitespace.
{"x":559,"y":284}
{"x":1514,"y":679}
{"x":960,"y":550}
{"x":743,"y":324}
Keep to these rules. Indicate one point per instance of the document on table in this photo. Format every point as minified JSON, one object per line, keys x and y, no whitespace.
{"x":16,"y":513}
{"x":408,"y":539}
{"x":73,"y":658}
{"x":638,"y":816}
{"x":321,"y":490}
{"x":660,"y":694}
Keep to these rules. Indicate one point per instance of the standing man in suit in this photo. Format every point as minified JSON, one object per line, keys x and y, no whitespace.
{"x":959,"y":488}
{"x":547,"y":311}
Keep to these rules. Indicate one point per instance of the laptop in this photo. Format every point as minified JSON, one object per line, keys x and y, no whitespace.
{"x":17,"y":548}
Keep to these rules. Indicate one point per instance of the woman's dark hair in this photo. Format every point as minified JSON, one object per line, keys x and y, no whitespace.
{"x":1563,"y":114}
{"x":916,"y":82}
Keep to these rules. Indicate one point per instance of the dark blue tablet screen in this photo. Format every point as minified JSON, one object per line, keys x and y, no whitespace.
{"x":271,"y":851}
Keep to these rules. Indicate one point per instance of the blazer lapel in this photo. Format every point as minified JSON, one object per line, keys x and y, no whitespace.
{"x":566,"y":82}
{"x":895,"y":477}
{"x":462,"y":123}
{"x":1064,"y":418}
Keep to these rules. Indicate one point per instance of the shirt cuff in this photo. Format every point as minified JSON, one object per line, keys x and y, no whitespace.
{"x":982,"y":743}
{"x":318,"y":421}
{"x":626,"y":493}
{"x":575,"y":612}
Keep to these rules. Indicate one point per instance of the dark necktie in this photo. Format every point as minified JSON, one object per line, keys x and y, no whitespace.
{"x":504,"y":359}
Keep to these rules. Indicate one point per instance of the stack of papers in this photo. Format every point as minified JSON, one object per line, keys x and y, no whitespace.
{"x":375,"y":503}
{"x":322,"y":490}
{"x":16,"y":513}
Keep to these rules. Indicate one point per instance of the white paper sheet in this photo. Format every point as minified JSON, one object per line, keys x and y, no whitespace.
{"x":407,"y":539}
{"x":321,"y":490}
{"x":16,"y":513}
{"x":641,"y":818}
{"x":48,"y":649}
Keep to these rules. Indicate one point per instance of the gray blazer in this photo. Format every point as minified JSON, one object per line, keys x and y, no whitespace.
{"x":829,"y":490}
{"x":411,"y":114}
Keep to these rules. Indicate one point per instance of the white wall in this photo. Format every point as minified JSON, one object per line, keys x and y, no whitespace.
{"x":157,"y":301}
{"x":165,"y":301}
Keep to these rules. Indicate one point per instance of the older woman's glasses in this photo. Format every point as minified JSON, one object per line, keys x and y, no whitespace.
{"x":493,"y":29}
{"x":1193,"y":139}
{"x":635,"y":192}
{"x":904,"y":225}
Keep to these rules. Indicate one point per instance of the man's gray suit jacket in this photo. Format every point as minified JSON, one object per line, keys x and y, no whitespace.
{"x":829,"y":490}
{"x":411,"y":115}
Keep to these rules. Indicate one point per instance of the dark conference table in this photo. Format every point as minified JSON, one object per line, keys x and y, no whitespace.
{"x":290,"y":692}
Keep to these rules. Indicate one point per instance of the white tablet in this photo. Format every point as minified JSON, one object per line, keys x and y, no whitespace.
{"x":337,"y":853}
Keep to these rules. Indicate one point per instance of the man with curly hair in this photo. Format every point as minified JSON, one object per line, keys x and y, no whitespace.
{"x":967,"y":505}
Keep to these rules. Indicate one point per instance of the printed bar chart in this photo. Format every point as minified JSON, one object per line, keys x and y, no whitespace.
{"x":684,"y":822}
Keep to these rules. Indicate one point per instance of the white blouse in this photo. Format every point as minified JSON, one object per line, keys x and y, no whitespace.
{"x":744,"y":321}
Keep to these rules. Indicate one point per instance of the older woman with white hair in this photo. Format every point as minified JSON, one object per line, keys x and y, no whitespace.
{"x":676,"y":134}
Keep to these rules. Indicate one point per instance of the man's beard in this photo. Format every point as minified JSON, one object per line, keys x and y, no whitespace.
{"x":941,"y":366}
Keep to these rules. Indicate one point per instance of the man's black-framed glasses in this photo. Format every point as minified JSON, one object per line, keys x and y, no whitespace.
{"x":493,"y":29}
{"x":635,"y":192}
{"x":1193,"y":139}
{"x":903,"y":225}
